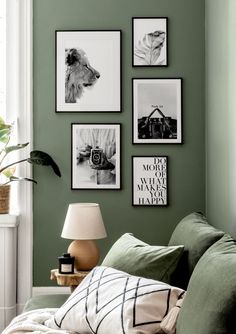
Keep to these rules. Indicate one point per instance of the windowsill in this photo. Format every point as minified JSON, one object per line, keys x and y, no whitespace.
{"x":9,"y":220}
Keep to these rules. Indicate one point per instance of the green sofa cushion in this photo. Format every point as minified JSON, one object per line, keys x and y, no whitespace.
{"x":137,"y":258}
{"x":45,"y":301}
{"x":210,"y":303}
{"x":197,"y":236}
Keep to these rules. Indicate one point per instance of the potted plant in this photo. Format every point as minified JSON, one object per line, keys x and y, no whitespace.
{"x":7,"y":169}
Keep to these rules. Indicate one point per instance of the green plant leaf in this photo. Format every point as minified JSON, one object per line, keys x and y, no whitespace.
{"x":3,"y":125}
{"x":5,"y":135}
{"x":15,"y":147}
{"x":42,"y":158}
{"x":5,"y":131}
{"x":2,"y":122}
{"x":15,"y":178}
{"x":9,"y":172}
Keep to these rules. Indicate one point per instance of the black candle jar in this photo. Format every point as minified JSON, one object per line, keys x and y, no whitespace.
{"x":66,"y":264}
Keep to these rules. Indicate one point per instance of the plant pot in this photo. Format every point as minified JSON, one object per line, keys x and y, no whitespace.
{"x":4,"y":199}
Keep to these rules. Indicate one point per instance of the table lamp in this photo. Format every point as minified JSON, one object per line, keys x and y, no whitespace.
{"x":84,"y":224}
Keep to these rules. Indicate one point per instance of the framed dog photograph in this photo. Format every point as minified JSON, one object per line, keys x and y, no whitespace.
{"x":149,"y":180}
{"x":88,"y":71}
{"x":157,"y":111}
{"x":95,"y":156}
{"x":149,"y":36}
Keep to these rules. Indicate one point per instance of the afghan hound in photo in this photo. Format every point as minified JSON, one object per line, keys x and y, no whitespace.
{"x":79,"y":74}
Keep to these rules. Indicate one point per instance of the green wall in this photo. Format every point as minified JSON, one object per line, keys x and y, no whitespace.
{"x":186,"y":175}
{"x":221,"y":116}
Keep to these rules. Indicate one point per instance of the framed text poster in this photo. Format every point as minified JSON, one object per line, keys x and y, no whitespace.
{"x":149,"y":180}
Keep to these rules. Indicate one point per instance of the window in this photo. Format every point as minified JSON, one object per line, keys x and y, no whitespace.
{"x":16,"y":106}
{"x":3,"y":58}
{"x":9,"y":88}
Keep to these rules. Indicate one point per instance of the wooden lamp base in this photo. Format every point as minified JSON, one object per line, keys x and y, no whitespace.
{"x":86,"y":254}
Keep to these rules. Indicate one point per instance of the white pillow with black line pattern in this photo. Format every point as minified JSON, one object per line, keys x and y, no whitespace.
{"x":108,"y":299}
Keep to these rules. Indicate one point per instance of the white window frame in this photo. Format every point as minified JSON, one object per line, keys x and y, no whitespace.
{"x":2,"y":58}
{"x":20,"y":63}
{"x":25,"y":240}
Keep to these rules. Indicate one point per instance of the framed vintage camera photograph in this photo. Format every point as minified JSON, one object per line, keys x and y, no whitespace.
{"x":149,"y":180}
{"x":95,"y":156}
{"x":88,"y":71}
{"x":157,"y":111}
{"x":150,"y":38}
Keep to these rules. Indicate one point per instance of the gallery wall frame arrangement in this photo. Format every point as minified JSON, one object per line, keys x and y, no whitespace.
{"x":95,"y":156}
{"x":157,"y":110}
{"x":88,"y":71}
{"x":149,"y":41}
{"x":149,"y":180}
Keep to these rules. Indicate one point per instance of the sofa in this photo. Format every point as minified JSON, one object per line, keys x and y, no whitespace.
{"x":200,"y":259}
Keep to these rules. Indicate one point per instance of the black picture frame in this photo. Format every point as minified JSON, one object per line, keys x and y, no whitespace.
{"x":96,"y":156}
{"x":150,"y":41}
{"x":100,"y":87}
{"x":150,"y":180}
{"x":162,"y":97}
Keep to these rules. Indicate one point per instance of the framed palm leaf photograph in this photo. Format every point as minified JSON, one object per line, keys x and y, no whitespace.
{"x":150,"y":38}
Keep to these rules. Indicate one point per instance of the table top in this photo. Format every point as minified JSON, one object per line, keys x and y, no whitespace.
{"x":68,"y":279}
{"x":81,"y":273}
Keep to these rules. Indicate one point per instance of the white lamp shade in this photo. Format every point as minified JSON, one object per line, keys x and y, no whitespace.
{"x":84,"y":222}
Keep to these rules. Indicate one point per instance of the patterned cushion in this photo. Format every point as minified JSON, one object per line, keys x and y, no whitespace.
{"x":111,"y":300}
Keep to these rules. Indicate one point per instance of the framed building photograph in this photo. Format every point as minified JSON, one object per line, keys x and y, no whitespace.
{"x":149,"y":180}
{"x":88,"y":71}
{"x":150,"y":38}
{"x":157,"y":111}
{"x":95,"y":156}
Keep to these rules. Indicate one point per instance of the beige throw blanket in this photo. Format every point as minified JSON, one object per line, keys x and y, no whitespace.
{"x":33,"y":322}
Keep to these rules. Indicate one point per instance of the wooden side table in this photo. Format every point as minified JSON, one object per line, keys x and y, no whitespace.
{"x":71,"y":280}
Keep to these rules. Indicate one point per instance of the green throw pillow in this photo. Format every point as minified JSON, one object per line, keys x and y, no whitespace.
{"x":197,"y":236}
{"x":210,"y":303}
{"x":137,"y":258}
{"x":45,"y":301}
